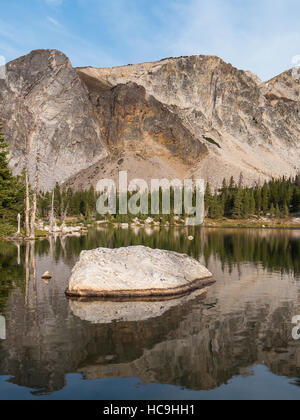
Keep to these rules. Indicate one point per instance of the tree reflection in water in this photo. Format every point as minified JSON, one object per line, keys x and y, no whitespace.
{"x":199,"y":343}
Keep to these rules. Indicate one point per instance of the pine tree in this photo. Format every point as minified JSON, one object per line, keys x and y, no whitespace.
{"x":57,"y":199}
{"x":232,"y":185}
{"x":238,"y":205}
{"x":246,"y":204}
{"x":258,"y":200}
{"x":272,"y":211}
{"x":11,"y":191}
{"x":252,"y":204}
{"x":286,"y":211}
{"x":208,"y":198}
{"x":92,"y":200}
{"x":216,"y":210}
{"x":265,"y":198}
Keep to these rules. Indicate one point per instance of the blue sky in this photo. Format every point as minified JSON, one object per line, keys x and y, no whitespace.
{"x":258,"y":35}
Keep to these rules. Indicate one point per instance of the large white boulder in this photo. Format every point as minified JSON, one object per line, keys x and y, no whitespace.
{"x":136,"y":272}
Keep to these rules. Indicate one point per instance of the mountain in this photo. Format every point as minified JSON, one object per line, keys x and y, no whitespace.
{"x":180,"y":117}
{"x":45,"y":106}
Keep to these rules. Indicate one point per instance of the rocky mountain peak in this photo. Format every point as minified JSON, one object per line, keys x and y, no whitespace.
{"x":179,"y":117}
{"x":45,"y":106}
{"x":286,"y":85}
{"x":30,"y":68}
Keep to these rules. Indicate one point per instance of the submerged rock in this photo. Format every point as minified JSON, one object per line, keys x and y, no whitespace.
{"x":136,"y":272}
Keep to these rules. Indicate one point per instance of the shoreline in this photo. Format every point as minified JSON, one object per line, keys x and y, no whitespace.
{"x":290,"y":223}
{"x":278,"y":224}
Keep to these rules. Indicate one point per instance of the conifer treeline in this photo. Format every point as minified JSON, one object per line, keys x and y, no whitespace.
{"x":276,"y":198}
{"x":67,"y":202}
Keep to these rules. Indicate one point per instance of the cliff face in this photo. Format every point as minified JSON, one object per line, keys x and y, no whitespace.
{"x":143,"y":135}
{"x":45,"y":106}
{"x":254,"y":125}
{"x":185,"y":117}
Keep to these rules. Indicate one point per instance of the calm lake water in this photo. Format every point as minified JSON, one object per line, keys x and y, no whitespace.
{"x":233,"y":342}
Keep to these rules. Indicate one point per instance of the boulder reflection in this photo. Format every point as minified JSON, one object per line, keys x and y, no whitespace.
{"x":197,"y":342}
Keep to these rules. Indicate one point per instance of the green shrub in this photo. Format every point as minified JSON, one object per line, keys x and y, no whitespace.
{"x":212,"y":141}
{"x":6,"y":230}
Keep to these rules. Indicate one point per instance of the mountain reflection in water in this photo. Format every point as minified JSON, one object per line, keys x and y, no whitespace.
{"x":198,"y":342}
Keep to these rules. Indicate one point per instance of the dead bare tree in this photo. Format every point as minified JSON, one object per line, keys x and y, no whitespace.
{"x":27,"y":200}
{"x":64,"y":210}
{"x":27,"y":191}
{"x":19,"y":225}
{"x":34,"y":198}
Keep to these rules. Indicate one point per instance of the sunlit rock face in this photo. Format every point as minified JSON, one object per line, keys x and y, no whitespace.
{"x":246,"y":125}
{"x":45,"y":106}
{"x":135,"y":271}
{"x":177,"y":118}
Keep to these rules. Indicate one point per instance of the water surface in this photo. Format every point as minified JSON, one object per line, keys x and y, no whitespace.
{"x":235,"y":341}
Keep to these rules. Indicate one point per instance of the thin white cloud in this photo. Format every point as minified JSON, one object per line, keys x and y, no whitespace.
{"x":81,"y":51}
{"x":257,"y":35}
{"x":8,"y":41}
{"x":7,"y":31}
{"x":261,"y":36}
{"x":54,"y":22}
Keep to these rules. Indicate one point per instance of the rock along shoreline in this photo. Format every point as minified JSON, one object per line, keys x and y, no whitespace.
{"x":136,"y":272}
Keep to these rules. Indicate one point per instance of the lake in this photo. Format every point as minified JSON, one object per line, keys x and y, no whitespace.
{"x":233,"y":342}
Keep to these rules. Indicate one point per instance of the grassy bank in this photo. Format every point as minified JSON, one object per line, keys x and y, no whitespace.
{"x":7,"y":230}
{"x":287,"y":223}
